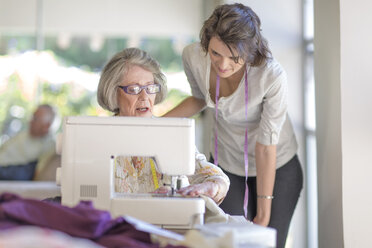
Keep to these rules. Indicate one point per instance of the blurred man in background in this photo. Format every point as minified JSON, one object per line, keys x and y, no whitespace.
{"x":21,"y":153}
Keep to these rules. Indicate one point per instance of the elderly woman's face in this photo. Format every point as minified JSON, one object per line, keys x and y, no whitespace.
{"x":139,"y":105}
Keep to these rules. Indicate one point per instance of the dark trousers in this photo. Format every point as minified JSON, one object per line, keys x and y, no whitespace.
{"x":287,"y":188}
{"x":18,"y":172}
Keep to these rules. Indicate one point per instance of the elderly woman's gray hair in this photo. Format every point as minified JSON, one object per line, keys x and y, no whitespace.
{"x":115,"y":70}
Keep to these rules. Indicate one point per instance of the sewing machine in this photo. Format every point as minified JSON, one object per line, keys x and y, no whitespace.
{"x":90,"y":146}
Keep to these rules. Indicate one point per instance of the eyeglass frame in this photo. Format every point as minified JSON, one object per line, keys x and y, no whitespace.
{"x":124,"y":88}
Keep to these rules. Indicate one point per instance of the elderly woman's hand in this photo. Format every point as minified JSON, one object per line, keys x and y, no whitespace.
{"x":207,"y":188}
{"x":163,"y":190}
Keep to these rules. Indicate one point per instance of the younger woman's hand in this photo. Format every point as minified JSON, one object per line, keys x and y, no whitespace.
{"x":262,"y":221}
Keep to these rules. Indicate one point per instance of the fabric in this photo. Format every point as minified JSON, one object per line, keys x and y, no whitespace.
{"x":195,"y":239}
{"x":287,"y":188}
{"x":23,"y":149}
{"x":268,"y":122}
{"x":134,"y":175}
{"x":81,"y":221}
{"x":213,"y":213}
{"x":37,"y":237}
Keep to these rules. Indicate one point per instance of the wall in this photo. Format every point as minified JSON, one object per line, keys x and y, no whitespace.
{"x":328,"y":115}
{"x":343,"y":41}
{"x":112,"y":17}
{"x":356,"y":119}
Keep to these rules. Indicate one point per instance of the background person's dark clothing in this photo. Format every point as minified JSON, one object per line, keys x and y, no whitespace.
{"x":18,"y":172}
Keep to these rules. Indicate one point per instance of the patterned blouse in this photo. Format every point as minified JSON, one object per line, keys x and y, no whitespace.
{"x":139,"y":175}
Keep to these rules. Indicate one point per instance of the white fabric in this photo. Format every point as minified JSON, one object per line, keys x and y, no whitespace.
{"x":31,"y":189}
{"x":34,"y":236}
{"x":268,"y":122}
{"x":22,"y":149}
{"x":213,"y":213}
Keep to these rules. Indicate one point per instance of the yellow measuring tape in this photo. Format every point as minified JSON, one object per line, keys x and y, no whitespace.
{"x":153,"y":171}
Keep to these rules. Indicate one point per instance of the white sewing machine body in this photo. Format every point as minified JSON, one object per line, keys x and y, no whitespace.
{"x":89,"y":145}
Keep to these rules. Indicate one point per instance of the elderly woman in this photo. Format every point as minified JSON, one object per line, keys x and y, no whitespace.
{"x":131,"y":84}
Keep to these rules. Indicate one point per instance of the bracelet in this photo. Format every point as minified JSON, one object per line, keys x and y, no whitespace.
{"x":265,"y":196}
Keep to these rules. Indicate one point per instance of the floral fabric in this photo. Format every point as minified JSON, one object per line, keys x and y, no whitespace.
{"x":135,"y":175}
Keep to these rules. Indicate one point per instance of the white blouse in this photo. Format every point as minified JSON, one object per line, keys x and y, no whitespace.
{"x":268,"y":122}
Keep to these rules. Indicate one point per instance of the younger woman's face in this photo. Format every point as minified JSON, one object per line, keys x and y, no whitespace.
{"x":222,"y":60}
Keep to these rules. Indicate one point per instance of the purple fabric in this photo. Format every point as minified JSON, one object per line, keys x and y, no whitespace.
{"x":82,"y":221}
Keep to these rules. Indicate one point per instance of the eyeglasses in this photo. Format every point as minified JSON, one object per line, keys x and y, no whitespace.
{"x":135,"y":89}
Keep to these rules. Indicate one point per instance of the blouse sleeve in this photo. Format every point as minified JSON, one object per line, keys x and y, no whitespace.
{"x":208,"y":172}
{"x":187,"y":66}
{"x":274,"y":111}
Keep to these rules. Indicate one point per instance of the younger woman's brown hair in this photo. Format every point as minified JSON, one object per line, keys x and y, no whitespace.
{"x":239,"y":27}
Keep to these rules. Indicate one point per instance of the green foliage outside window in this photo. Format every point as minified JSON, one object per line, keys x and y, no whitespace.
{"x":12,"y":96}
{"x":68,"y":98}
{"x":79,"y":53}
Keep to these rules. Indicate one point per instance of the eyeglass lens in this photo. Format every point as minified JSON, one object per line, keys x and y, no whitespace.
{"x":136,"y":89}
